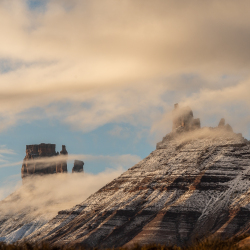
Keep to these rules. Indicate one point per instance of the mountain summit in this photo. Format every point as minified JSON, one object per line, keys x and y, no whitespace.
{"x":196,"y":182}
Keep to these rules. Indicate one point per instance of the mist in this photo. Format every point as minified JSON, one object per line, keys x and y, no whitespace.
{"x":44,"y":196}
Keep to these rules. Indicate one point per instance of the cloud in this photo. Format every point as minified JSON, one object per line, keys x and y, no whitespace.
{"x":9,"y":185}
{"x":4,"y":150}
{"x":44,"y":196}
{"x":115,"y":165}
{"x":5,"y":153}
{"x":123,"y":161}
{"x":114,"y":62}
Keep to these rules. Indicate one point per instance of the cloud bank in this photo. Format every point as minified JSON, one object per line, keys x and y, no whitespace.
{"x":89,"y":63}
{"x":46,"y":195}
{"x":122,"y":161}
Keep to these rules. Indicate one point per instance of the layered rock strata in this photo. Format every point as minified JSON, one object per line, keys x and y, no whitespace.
{"x":195,"y":183}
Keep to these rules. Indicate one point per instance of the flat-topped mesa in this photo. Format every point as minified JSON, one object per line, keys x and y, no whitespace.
{"x":78,"y":166}
{"x":183,"y":119}
{"x":38,"y":152}
{"x":42,"y":149}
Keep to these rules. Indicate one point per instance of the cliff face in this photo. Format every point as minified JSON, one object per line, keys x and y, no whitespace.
{"x":195,"y":183}
{"x":183,"y":119}
{"x":40,"y":151}
{"x":78,"y":166}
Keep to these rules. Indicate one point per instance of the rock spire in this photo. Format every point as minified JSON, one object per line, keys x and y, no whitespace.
{"x":78,"y":166}
{"x":37,"y":162}
{"x":183,"y":119}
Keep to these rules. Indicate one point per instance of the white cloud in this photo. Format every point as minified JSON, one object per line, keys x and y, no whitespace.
{"x":124,"y":161}
{"x":5,"y":154}
{"x":9,"y":185}
{"x":4,"y":150}
{"x":46,"y":195}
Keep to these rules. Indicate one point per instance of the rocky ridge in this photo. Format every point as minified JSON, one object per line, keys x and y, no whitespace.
{"x":196,"y":182}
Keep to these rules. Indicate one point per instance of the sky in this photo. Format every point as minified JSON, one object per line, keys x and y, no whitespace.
{"x":102,"y":76}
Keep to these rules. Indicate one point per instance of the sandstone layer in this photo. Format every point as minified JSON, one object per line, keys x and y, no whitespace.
{"x":34,"y":152}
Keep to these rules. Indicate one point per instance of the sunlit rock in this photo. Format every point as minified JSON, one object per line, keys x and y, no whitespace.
{"x":33,"y":163}
{"x":183,"y":119}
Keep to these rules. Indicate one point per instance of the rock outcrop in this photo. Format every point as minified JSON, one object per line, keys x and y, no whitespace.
{"x":78,"y":166}
{"x":31,"y":165}
{"x":195,"y":183}
{"x":39,"y":198}
{"x":61,"y":166}
{"x":183,"y":119}
{"x":222,"y":124}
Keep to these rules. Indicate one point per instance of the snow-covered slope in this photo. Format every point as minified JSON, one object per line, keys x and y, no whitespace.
{"x":19,"y":216}
{"x":194,"y":184}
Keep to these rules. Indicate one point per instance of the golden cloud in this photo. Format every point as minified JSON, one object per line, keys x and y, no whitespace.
{"x":120,"y":58}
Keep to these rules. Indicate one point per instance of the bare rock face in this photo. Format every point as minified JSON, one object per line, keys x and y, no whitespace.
{"x":61,"y":166}
{"x":183,"y":119}
{"x":38,"y":152}
{"x":78,"y":166}
{"x":195,"y":183}
{"x":63,"y":151}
